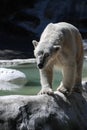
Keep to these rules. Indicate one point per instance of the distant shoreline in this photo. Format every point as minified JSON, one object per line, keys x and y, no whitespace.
{"x":16,"y":62}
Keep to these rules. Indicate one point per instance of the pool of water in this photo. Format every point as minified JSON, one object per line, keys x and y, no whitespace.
{"x":33,"y":85}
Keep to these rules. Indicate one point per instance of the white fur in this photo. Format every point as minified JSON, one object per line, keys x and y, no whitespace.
{"x":60,"y":45}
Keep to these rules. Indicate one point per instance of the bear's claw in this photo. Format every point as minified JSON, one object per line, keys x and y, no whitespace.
{"x":46,"y":91}
{"x":63,"y":90}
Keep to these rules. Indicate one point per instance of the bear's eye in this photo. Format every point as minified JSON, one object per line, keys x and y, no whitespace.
{"x":40,"y":53}
{"x":46,"y":54}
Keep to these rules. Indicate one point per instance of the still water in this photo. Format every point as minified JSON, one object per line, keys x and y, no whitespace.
{"x":33,"y":86}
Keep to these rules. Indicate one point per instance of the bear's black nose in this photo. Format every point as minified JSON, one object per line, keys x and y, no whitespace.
{"x":40,"y":66}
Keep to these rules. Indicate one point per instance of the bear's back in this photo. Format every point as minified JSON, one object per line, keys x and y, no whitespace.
{"x":53,"y":29}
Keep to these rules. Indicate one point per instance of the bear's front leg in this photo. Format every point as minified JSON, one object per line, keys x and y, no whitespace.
{"x":67,"y":84}
{"x":46,"y":81}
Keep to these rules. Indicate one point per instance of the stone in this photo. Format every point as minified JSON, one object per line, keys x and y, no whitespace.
{"x":13,"y":76}
{"x":44,"y":112}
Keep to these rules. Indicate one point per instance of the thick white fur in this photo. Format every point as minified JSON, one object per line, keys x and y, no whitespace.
{"x":60,"y":45}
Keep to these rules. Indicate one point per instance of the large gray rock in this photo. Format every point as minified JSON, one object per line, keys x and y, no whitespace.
{"x":12,"y":76}
{"x":44,"y":112}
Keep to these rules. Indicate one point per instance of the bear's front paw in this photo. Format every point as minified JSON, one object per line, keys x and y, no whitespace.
{"x":46,"y":91}
{"x":64,"y":90}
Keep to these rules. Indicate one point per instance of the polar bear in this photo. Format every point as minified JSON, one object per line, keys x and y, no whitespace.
{"x":60,"y":45}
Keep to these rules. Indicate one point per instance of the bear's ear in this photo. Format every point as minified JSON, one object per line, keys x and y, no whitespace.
{"x":35,"y":43}
{"x":56,"y":47}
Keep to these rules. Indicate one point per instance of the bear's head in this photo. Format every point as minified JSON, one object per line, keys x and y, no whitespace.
{"x":44,"y":52}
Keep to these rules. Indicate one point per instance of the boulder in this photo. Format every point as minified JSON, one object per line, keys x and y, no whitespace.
{"x":13,"y":76}
{"x":44,"y":112}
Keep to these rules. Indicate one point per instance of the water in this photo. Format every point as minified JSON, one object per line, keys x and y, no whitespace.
{"x":33,"y":85}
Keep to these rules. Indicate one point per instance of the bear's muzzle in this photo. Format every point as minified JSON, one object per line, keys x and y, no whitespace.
{"x":40,"y":65}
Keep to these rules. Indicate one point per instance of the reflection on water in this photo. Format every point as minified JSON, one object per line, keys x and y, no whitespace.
{"x":33,"y":85}
{"x":8,"y":86}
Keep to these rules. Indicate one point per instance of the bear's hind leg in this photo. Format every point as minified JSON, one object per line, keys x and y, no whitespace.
{"x":79,"y":66}
{"x":78,"y":78}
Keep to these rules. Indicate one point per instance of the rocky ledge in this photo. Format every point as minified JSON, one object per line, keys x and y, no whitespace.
{"x":44,"y":112}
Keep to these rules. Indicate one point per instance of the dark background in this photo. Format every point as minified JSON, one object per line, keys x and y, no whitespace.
{"x":21,"y":21}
